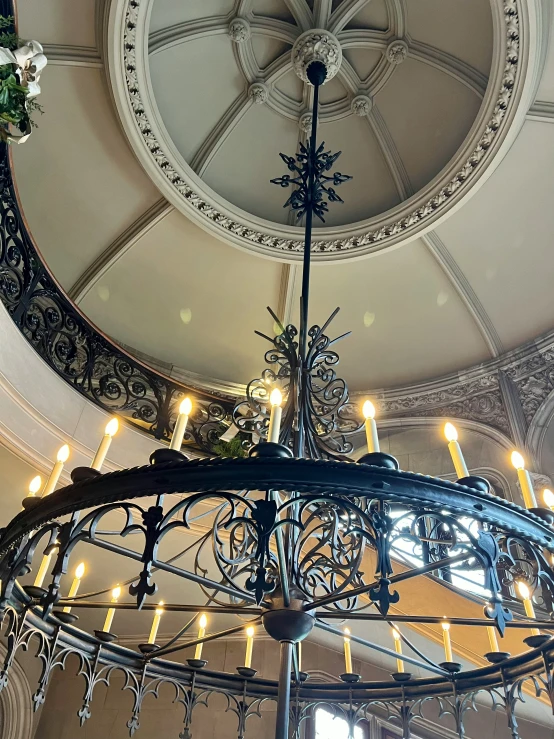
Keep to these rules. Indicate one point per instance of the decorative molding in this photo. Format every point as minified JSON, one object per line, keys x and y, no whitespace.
{"x":73,"y":56}
{"x":345,"y":11}
{"x":361,"y":105}
{"x":454,"y":273}
{"x":118,"y":248}
{"x":16,"y":705}
{"x":263,"y":237}
{"x":258,"y":93}
{"x":316,"y":45}
{"x":397,"y":51}
{"x":301,"y":13}
{"x":541,"y":111}
{"x":390,"y":152}
{"x":239,"y":30}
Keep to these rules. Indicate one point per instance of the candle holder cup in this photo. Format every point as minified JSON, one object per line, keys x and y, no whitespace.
{"x":495,"y":657}
{"x":452,"y":667}
{"x":380,"y":459}
{"x":104,"y":636}
{"x":35,"y":592}
{"x":148,"y":648}
{"x":161,"y":456}
{"x":537,"y":640}
{"x":80,"y":474}
{"x":350,"y":677}
{"x":544,"y":513}
{"x":302,"y":676}
{"x":247,"y":672}
{"x":401,"y":677}
{"x":66,"y":618}
{"x":197,"y":664}
{"x":30,"y":502}
{"x":476,"y":483}
{"x":269,"y":450}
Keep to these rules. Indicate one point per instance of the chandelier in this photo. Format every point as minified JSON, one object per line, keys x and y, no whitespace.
{"x":292,"y":528}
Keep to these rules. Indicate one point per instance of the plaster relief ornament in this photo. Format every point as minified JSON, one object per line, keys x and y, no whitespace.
{"x":317,"y":45}
{"x":239,"y":30}
{"x":20,"y":71}
{"x":397,"y":51}
{"x":305,"y":122}
{"x":361,"y":105}
{"x":258,"y":93}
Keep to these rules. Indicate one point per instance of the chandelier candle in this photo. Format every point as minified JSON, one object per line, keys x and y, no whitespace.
{"x":249,"y":646}
{"x":201,"y":634}
{"x":156,"y":623}
{"x":398,"y":650}
{"x":454,"y":448}
{"x":116,"y":592}
{"x":74,"y":589}
{"x":347,"y":652}
{"x":370,"y":427}
{"x":446,"y":640}
{"x":111,"y":430}
{"x":35,"y":485}
{"x":524,"y":481}
{"x":299,"y":655}
{"x":61,"y":459}
{"x":181,"y":424}
{"x":527,"y":603}
{"x":276,"y":398}
{"x":493,"y":640}
{"x":43,"y":569}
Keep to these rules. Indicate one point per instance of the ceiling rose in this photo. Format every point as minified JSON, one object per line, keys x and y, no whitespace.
{"x":402,"y":186}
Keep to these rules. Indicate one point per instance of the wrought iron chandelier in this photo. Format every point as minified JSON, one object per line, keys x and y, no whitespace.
{"x":291,"y":528}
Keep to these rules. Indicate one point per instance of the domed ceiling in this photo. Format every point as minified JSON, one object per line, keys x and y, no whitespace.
{"x":163,"y":125}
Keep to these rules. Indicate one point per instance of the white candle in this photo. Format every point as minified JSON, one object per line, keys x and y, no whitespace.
{"x":43,"y":570}
{"x":299,"y":655}
{"x":61,"y":459}
{"x":73,"y":590}
{"x":527,"y":604}
{"x":372,"y":436}
{"x":276,"y":398}
{"x":249,"y":646}
{"x":156,"y":623}
{"x":181,"y":424}
{"x":493,"y":640}
{"x":116,"y":592}
{"x":455,"y":450}
{"x":201,"y":634}
{"x":398,"y":650}
{"x":347,"y":652}
{"x":524,"y":481}
{"x":109,"y":433}
{"x":447,"y":642}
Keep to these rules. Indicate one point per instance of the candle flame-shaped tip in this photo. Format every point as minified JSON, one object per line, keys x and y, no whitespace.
{"x":63,"y":454}
{"x":523,"y":590}
{"x":112,"y":427}
{"x":116,"y":592}
{"x":35,"y":485}
{"x":548,"y":497}
{"x":450,"y":432}
{"x":250,"y":631}
{"x":276,"y":397}
{"x":445,"y":626}
{"x":346,"y":631}
{"x":80,"y":571}
{"x":518,"y":461}
{"x":203,"y":621}
{"x":396,"y":635}
{"x":186,"y":407}
{"x":368,"y":410}
{"x":160,"y":610}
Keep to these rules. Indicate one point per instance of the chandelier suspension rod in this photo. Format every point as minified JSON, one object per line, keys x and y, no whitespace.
{"x":378,"y":648}
{"x":173,"y":607}
{"x":454,"y":621}
{"x":171,"y":568}
{"x":330,"y":599}
{"x":204,"y":639}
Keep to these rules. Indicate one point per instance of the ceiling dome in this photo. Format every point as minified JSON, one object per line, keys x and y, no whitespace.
{"x":417,"y":102}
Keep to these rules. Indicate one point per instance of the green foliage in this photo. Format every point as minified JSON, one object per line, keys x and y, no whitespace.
{"x":231,"y":448}
{"x":8,"y":37}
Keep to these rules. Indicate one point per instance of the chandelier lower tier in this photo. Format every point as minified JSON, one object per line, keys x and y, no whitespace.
{"x":288,"y":543}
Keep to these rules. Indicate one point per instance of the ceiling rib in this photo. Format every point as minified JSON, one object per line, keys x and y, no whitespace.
{"x":322,"y":13}
{"x":290,"y":280}
{"x":541,"y":110}
{"x":218,"y":135}
{"x":462,"y":286}
{"x":118,"y":248}
{"x":301,"y":13}
{"x":390,"y":153}
{"x":180,"y":33}
{"x":344,"y":14}
{"x":73,"y":56}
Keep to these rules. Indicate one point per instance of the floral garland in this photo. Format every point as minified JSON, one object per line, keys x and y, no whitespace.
{"x":21,"y":64}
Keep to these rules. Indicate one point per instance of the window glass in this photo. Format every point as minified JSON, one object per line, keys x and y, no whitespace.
{"x":329,"y":726}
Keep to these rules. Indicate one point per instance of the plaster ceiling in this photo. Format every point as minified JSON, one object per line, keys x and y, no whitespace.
{"x":154,"y":280}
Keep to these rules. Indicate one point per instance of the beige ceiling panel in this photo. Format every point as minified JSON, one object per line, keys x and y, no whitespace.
{"x":373,"y":15}
{"x":69,"y":22}
{"x":463,"y":29}
{"x":188,"y":106}
{"x":407,"y":320}
{"x":187,"y":299}
{"x":546,"y":85}
{"x":80,"y":184}
{"x":428,"y":114}
{"x":167,"y":13}
{"x":502,"y":238}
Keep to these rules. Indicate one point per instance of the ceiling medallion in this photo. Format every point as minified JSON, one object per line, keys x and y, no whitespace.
{"x":317,"y":45}
{"x":185,"y":190}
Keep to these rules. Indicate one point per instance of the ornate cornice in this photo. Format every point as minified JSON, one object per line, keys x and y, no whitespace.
{"x":499,"y":110}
